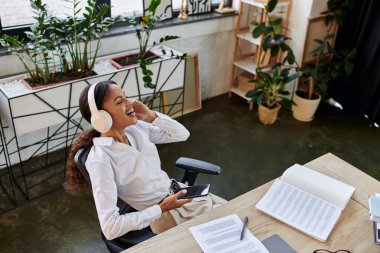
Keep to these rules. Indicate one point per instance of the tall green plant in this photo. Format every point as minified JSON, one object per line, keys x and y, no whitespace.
{"x":41,"y":51}
{"x":143,"y":28}
{"x":77,"y":31}
{"x":329,"y":63}
{"x":271,"y":89}
{"x":273,"y":39}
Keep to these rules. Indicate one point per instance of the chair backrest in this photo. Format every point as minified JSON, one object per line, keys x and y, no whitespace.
{"x":131,"y":238}
{"x":80,"y":160}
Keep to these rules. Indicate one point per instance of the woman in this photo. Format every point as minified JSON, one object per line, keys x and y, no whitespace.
{"x":124,"y":162}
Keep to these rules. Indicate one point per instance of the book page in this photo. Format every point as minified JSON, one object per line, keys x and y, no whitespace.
{"x":300,"y":209}
{"x":223,"y":236}
{"x":323,"y":186}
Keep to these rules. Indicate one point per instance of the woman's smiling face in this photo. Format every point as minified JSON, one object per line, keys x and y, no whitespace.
{"x":119,"y":107}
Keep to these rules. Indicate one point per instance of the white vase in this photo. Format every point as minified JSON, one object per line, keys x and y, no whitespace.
{"x":304,"y":109}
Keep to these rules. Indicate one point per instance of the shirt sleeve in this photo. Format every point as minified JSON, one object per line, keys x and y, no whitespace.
{"x":165,"y":130}
{"x":104,"y":190}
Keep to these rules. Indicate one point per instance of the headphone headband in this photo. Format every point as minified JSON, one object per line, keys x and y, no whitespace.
{"x":91,"y":99}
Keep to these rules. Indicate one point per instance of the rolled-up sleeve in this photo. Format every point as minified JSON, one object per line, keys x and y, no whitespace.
{"x":165,"y":130}
{"x":104,"y":190}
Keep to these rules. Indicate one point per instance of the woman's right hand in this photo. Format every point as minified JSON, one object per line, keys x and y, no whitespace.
{"x":172,"y":201}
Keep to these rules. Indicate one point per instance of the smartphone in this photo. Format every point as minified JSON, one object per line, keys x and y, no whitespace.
{"x":192,"y":191}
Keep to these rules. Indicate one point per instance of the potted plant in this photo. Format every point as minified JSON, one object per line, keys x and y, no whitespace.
{"x":41,"y":51}
{"x":271,"y":91}
{"x":328,"y":64}
{"x":51,"y":39}
{"x":146,"y":55}
{"x":76,"y":32}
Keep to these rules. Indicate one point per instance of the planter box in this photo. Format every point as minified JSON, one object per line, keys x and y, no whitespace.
{"x":27,"y":111}
{"x":45,"y":120}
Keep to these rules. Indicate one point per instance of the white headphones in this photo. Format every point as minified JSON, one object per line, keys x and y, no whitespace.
{"x":100,"y":119}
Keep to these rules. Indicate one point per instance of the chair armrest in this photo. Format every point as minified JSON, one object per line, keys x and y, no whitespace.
{"x":135,"y":237}
{"x":198,"y":166}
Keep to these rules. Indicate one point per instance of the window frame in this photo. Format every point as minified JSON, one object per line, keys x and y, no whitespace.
{"x":21,"y":29}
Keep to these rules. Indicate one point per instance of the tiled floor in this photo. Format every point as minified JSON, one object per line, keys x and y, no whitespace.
{"x":223,"y":132}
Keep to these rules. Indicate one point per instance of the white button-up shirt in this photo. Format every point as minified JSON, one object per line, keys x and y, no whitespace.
{"x":132,"y":173}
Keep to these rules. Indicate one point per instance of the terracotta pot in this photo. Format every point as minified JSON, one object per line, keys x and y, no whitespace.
{"x":268,"y":116}
{"x":304,"y":109}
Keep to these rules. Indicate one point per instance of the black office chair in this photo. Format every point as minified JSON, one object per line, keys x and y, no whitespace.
{"x":192,"y":168}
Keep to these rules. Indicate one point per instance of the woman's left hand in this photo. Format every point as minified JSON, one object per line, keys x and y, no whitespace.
{"x":143,"y":112}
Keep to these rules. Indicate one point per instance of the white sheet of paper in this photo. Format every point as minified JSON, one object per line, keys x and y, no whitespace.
{"x":223,"y":236}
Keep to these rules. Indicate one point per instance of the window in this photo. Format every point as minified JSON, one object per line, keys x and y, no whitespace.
{"x":61,"y":9}
{"x":126,"y":7}
{"x":17,"y":15}
{"x":177,"y":3}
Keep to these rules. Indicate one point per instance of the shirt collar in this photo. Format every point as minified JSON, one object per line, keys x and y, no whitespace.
{"x":103,"y":141}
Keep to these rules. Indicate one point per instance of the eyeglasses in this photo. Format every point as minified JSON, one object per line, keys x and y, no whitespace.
{"x":328,"y":251}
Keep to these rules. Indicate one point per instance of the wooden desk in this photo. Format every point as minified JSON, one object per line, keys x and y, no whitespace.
{"x":352,"y":232}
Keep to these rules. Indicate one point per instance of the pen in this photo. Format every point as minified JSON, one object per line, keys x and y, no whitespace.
{"x":243,"y":229}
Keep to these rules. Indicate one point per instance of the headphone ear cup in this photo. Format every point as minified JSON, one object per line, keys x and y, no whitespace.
{"x":101,"y":121}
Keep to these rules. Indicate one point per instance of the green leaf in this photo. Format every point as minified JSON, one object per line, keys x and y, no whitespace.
{"x":258,"y":31}
{"x":275,"y":21}
{"x":321,"y":42}
{"x":293,"y":76}
{"x":287,"y":103}
{"x":330,"y":36}
{"x":266,"y":43}
{"x":285,"y":72}
{"x":271,"y":5}
{"x":291,"y":58}
{"x":348,"y":66}
{"x":147,"y":79}
{"x":153,"y":6}
{"x":274,"y":51}
{"x":250,"y":93}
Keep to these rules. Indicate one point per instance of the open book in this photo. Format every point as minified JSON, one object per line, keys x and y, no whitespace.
{"x":307,"y":200}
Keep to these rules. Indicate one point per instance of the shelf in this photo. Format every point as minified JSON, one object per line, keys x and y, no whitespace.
{"x":246,"y":35}
{"x":260,"y":4}
{"x":247,"y":64}
{"x":242,"y":89}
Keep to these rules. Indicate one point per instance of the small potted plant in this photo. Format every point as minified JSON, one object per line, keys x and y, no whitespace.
{"x":271,"y":92}
{"x":145,"y":56}
{"x":328,"y":64}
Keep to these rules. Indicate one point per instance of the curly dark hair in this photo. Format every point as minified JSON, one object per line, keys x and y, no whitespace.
{"x":74,"y":180}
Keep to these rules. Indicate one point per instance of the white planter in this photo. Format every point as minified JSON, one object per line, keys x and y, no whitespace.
{"x":305,"y":109}
{"x":26,"y":111}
